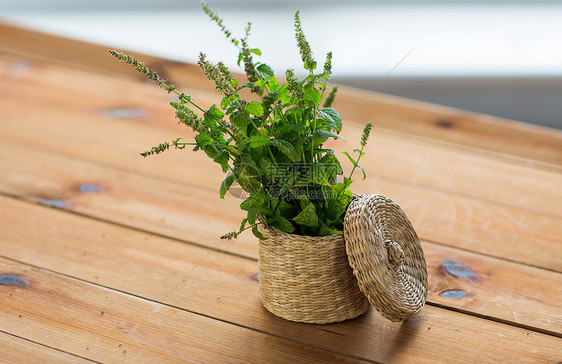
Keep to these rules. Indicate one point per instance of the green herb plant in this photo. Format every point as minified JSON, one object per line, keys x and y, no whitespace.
{"x":272,"y":148}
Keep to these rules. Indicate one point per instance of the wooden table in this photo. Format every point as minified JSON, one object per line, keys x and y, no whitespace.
{"x":109,"y":257}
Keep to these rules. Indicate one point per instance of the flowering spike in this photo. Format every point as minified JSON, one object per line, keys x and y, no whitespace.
{"x":293,"y":85}
{"x":366,"y":133}
{"x":219,"y":74}
{"x":249,"y":66}
{"x":304,"y":46}
{"x":142,"y":68}
{"x":157,"y":149}
{"x":218,"y":20}
{"x":331,"y":97}
{"x":328,"y":64}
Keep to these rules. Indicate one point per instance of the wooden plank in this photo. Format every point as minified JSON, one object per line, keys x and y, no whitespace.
{"x":109,"y":326}
{"x":199,"y":216}
{"x":537,"y":144}
{"x":477,"y":225}
{"x":172,"y":209}
{"x":38,"y":46}
{"x":488,"y":287}
{"x":390,"y":113}
{"x":462,"y":174}
{"x":411,"y":161}
{"x":17,"y":350}
{"x":222,"y":286}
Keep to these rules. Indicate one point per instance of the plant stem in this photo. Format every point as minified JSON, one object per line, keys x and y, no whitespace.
{"x":267,"y":146}
{"x":357,"y":162}
{"x":183,"y":96}
{"x":313,"y":120}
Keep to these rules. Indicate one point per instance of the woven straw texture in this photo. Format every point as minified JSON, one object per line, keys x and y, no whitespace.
{"x":308,"y":279}
{"x":386,"y":256}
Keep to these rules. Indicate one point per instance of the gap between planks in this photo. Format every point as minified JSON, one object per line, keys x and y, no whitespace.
{"x":157,"y":307}
{"x":87,"y":56}
{"x":172,"y":209}
{"x":496,"y":319}
{"x":486,"y":280}
{"x":218,"y":318}
{"x":108,"y":317}
{"x":13,"y":346}
{"x":397,"y":158}
{"x":205,"y":187}
{"x":362,"y":331}
{"x":145,"y":90}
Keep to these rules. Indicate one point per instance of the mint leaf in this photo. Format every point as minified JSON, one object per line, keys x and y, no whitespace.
{"x":326,"y":231}
{"x":310,"y":65}
{"x":320,"y":136}
{"x":254,"y":142}
{"x":362,"y":170}
{"x":353,"y":161}
{"x":203,"y":140}
{"x":332,"y":164}
{"x":225,"y":102}
{"x":247,"y":178}
{"x":225,"y":185}
{"x":240,"y":120}
{"x":307,"y":217}
{"x":252,"y":214}
{"x":283,"y":224}
{"x":255,"y":108}
{"x":286,"y":209}
{"x":257,"y":199}
{"x":331,"y":116}
{"x":312,"y":97}
{"x":213,"y":115}
{"x":257,"y":233}
{"x":222,"y":159}
{"x":319,"y":175}
{"x":286,"y":148}
{"x":265,"y":70}
{"x":341,"y":203}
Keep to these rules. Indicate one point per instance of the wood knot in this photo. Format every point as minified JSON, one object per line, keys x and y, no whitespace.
{"x":13,"y":280}
{"x":88,"y":188}
{"x":457,"y":269}
{"x":444,"y":123}
{"x":453,"y":294}
{"x":125,"y":113}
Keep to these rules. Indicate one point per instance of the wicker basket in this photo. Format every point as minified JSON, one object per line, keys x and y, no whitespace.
{"x":386,"y":255}
{"x":330,"y":279}
{"x":308,"y":279}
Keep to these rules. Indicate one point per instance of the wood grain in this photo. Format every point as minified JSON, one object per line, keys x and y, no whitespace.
{"x":221,"y":285}
{"x":109,"y":326}
{"x":537,"y":145}
{"x":50,"y":124}
{"x":128,"y":267}
{"x":391,"y":113}
{"x":17,"y":350}
{"x":477,"y":225}
{"x":177,"y":210}
{"x":71,"y":53}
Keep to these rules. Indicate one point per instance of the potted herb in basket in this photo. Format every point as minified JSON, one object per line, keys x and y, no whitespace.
{"x":273,"y":147}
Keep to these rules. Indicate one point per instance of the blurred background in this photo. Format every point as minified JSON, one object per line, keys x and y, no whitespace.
{"x":499,"y":57}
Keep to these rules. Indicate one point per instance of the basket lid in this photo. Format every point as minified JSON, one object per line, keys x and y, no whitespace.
{"x":386,"y":256}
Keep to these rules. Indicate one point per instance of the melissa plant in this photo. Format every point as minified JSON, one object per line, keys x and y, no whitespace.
{"x":273,"y":145}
